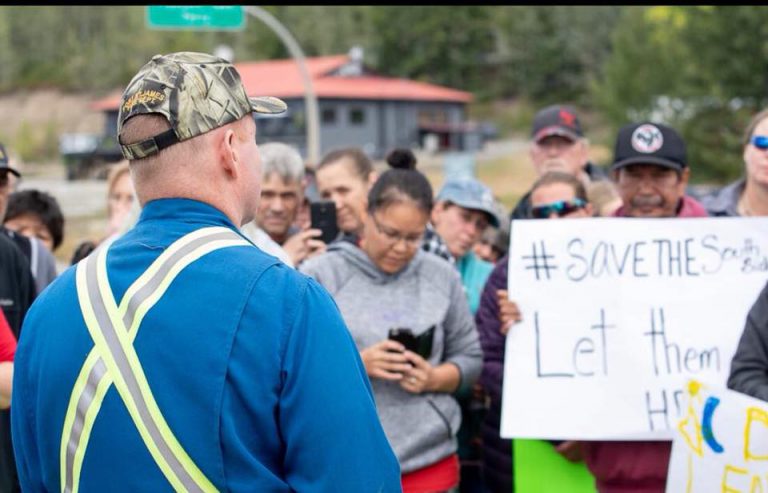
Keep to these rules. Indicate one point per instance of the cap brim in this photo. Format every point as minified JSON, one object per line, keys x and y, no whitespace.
{"x":493,"y":220}
{"x":268,"y":105}
{"x":667,"y":163}
{"x":555,"y":130}
{"x":10,"y":170}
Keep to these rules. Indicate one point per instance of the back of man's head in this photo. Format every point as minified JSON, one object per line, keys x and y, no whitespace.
{"x":281,"y":160}
{"x":172,"y":100}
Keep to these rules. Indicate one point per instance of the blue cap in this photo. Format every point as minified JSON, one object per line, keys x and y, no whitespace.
{"x":470,"y":194}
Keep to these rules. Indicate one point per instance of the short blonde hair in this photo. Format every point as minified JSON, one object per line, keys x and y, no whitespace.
{"x":116,"y":171}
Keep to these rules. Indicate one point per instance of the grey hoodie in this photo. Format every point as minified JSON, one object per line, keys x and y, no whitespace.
{"x":421,"y":428}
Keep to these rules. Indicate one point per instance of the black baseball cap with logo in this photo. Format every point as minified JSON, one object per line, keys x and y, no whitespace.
{"x":649,"y":143}
{"x":5,"y":168}
{"x":558,"y":120}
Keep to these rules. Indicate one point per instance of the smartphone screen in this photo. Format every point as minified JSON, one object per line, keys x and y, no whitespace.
{"x":404,"y":337}
{"x":323,"y":217}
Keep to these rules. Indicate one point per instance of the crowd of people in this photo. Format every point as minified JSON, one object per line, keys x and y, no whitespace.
{"x":249,"y":355}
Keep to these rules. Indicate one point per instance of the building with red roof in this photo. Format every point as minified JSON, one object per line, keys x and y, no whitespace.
{"x":357,"y":107}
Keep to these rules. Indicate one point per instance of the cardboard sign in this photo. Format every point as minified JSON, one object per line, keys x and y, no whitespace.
{"x":720,"y":443}
{"x":617,"y":315}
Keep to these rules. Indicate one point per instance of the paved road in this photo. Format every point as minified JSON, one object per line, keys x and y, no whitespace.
{"x":87,"y":198}
{"x":82,"y":198}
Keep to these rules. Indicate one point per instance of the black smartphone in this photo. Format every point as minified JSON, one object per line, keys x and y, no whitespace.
{"x":421,"y":344}
{"x":405,"y":337}
{"x":322,"y":216}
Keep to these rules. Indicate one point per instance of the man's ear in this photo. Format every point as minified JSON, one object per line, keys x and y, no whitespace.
{"x":229,"y":158}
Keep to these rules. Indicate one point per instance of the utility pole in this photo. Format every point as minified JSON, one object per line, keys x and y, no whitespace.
{"x":310,"y":100}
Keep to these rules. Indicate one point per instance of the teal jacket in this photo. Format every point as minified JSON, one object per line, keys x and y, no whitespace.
{"x":474,"y":272}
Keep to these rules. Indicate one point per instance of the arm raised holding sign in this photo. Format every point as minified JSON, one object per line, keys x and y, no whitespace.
{"x":509,"y":313}
{"x":554,"y":195}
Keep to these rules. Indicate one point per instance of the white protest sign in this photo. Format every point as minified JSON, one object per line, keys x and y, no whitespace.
{"x":617,"y":314}
{"x":720,"y":443}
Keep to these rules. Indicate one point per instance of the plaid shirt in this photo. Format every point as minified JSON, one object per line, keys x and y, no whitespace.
{"x":432,"y":243}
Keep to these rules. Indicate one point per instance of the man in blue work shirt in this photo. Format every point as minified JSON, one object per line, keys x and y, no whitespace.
{"x":181,"y":357}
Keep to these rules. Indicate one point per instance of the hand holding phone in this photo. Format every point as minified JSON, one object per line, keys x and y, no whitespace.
{"x":323,"y":217}
{"x":421,"y":344}
{"x":405,"y":337}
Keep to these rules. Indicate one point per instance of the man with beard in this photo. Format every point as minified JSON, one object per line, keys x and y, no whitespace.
{"x":651,"y":171}
{"x":558,"y":144}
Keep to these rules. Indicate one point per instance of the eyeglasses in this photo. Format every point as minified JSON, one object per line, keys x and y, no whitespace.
{"x":561,"y":208}
{"x":393,"y":237}
{"x":760,"y":141}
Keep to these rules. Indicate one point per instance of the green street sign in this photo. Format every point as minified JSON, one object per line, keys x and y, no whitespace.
{"x":196,"y":17}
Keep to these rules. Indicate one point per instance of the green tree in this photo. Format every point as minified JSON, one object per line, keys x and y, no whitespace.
{"x":691,"y":58}
{"x":427,"y":43}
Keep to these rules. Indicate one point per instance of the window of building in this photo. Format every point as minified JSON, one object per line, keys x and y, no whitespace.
{"x":329,"y":116}
{"x":434,"y":115}
{"x":357,"y":116}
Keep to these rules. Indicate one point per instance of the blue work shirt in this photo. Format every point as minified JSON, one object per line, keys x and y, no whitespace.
{"x":249,"y":361}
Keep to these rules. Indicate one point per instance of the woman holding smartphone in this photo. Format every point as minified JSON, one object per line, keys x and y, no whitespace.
{"x":344,"y":176}
{"x":384,"y":281}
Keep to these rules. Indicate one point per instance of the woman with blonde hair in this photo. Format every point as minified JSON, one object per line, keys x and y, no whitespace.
{"x":122,"y":209}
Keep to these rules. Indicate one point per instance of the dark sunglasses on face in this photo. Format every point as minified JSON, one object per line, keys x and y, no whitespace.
{"x":760,"y":141}
{"x":561,"y":208}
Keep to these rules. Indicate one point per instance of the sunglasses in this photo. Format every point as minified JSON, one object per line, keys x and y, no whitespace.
{"x":760,"y":141}
{"x":561,"y":208}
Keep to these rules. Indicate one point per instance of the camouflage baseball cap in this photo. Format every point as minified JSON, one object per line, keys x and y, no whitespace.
{"x":195,"y":92}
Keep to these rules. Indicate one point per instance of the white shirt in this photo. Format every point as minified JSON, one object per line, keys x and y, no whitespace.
{"x":262,"y":240}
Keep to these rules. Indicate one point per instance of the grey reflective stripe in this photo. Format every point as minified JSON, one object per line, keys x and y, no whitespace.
{"x":98,"y":372}
{"x":99,"y":368}
{"x":108,"y":330}
{"x":151,"y":286}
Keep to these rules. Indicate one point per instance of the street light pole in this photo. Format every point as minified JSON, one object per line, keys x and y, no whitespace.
{"x":310,"y":100}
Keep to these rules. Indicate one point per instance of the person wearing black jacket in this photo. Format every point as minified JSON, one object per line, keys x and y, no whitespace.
{"x":749,"y":366}
{"x":17,"y":291}
{"x":41,"y":261}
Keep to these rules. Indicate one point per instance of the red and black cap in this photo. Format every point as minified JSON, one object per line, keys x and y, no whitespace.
{"x":558,"y":120}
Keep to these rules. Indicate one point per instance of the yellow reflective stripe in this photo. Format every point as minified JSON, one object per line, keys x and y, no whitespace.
{"x":150,"y":301}
{"x":93,"y":356}
{"x":90,"y":417}
{"x":122,"y":386}
{"x":179,"y":244}
{"x":126,"y":341}
{"x":90,"y":319}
